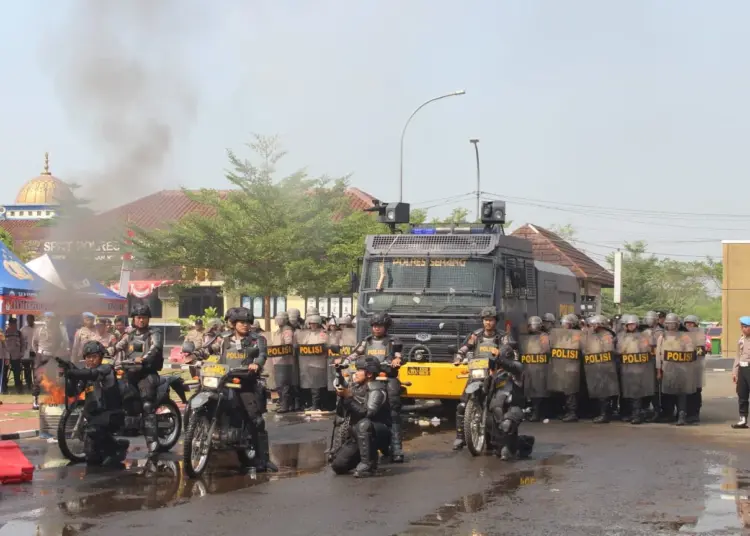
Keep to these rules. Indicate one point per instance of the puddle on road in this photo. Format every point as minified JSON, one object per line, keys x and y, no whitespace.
{"x":476,"y":502}
{"x":726,"y":508}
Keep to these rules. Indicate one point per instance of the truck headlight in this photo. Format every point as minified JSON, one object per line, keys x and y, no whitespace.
{"x":478,"y":374}
{"x":211,"y":383}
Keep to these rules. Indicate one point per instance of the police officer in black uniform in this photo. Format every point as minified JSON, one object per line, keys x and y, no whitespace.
{"x":250,"y":349}
{"x":146,"y":347}
{"x":488,"y":333}
{"x":366,"y":403}
{"x":102,"y":407}
{"x":387,"y":350}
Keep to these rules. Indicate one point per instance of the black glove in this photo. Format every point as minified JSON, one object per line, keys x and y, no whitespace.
{"x":32,"y":353}
{"x":63,"y":364}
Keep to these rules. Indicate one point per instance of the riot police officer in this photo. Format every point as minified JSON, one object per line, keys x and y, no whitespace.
{"x":387,"y":350}
{"x":486,"y":334}
{"x":695,"y":400}
{"x":102,"y":407}
{"x":366,"y":403}
{"x":534,"y":349}
{"x":675,"y":362}
{"x":146,"y":347}
{"x":600,"y":366}
{"x":250,"y":349}
{"x":548,"y":322}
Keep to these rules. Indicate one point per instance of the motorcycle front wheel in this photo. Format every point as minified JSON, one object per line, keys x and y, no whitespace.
{"x":70,"y":433}
{"x":168,"y":414}
{"x":475,"y":427}
{"x":197,"y":446}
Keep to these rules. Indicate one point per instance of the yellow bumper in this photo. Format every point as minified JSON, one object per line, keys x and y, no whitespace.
{"x":434,"y":380}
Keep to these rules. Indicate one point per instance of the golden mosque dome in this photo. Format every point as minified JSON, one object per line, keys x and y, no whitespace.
{"x":44,"y":189}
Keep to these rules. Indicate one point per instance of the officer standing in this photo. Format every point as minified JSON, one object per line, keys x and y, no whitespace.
{"x":366,"y":404}
{"x":15,"y":346}
{"x":534,"y":352}
{"x":313,"y":366}
{"x":548,"y":321}
{"x":294,"y":318}
{"x":84,"y":334}
{"x":285,"y":369}
{"x":741,"y":372}
{"x":246,"y":348}
{"x":637,"y":366}
{"x":564,"y":374}
{"x":50,"y":341}
{"x":600,"y":366}
{"x":485,"y":338}
{"x":27,"y":332}
{"x":387,"y":350}
{"x":675,"y":362}
{"x":104,"y":336}
{"x":695,"y":400}
{"x":196,"y":334}
{"x":102,"y":407}
{"x":146,"y":347}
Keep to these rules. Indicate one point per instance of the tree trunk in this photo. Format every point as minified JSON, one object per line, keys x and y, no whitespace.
{"x":267,"y":313}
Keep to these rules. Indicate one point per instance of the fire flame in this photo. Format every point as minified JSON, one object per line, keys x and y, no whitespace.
{"x":55,"y":392}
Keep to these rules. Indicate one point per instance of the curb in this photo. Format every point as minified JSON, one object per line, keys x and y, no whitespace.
{"x":26,"y":434}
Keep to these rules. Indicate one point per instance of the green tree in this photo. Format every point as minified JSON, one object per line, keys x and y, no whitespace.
{"x":266,"y":236}
{"x":567,"y":232}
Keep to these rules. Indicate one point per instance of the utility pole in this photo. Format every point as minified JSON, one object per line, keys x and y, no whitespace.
{"x":475,"y":143}
{"x":617,"y":291}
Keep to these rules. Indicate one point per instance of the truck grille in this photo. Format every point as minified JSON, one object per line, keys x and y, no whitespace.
{"x":452,"y":333}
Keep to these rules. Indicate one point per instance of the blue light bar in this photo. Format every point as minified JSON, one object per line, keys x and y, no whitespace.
{"x":424,"y":231}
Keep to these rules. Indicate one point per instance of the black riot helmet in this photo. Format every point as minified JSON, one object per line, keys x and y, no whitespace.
{"x":140,"y":310}
{"x":229,"y":313}
{"x":381,"y":319}
{"x":93,"y":348}
{"x":241,"y":314}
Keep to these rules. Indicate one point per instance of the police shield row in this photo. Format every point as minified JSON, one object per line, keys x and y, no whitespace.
{"x":624,"y":372}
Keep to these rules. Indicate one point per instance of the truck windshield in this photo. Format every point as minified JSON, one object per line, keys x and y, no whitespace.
{"x":437,"y":284}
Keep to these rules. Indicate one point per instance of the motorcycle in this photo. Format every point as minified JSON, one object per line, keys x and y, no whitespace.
{"x":169,"y":418}
{"x":211,"y":409}
{"x":479,"y":421}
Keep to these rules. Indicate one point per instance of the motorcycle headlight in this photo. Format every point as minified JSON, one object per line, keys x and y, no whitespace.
{"x":211,"y":383}
{"x":478,"y":374}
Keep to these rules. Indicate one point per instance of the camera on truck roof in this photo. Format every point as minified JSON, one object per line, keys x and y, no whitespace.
{"x":391,"y":213}
{"x":493,"y":212}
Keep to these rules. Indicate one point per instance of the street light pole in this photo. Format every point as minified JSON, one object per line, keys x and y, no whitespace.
{"x":403,"y":133}
{"x":475,"y":143}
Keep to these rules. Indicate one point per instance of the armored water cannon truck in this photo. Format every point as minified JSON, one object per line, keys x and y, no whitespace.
{"x":433,"y":280}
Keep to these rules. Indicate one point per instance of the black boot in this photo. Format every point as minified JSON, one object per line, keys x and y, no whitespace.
{"x":460,"y":440}
{"x":297,"y":398}
{"x":285,"y":399}
{"x":536,"y":410}
{"x":316,"y":396}
{"x":151,"y":432}
{"x":603,"y":417}
{"x":637,"y":413}
{"x":571,"y":408}
{"x":262,"y":460}
{"x":525,"y":446}
{"x":368,"y":463}
{"x":397,"y":454}
{"x":681,"y":418}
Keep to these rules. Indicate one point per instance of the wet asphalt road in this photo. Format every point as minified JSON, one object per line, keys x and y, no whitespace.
{"x":585,"y":479}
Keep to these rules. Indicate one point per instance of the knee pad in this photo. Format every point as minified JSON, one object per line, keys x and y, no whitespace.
{"x":461,"y":408}
{"x":364,"y":426}
{"x":148,"y":407}
{"x":506,"y":425}
{"x":260,"y":424}
{"x":514,"y":414}
{"x":498,"y":414}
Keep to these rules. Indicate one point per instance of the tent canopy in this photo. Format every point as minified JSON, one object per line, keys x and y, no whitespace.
{"x":15,"y":276}
{"x":85,"y":293}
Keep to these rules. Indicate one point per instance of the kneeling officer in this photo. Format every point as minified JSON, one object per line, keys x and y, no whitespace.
{"x":102,"y":408}
{"x":366,"y":402}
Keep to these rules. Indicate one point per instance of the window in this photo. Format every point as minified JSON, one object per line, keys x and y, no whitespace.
{"x":38,"y":212}
{"x":21,"y":213}
{"x":329,"y":306}
{"x":255,"y":304}
{"x":194,"y":301}
{"x":438,"y":274}
{"x":49,"y":213}
{"x":12,"y":212}
{"x":152,"y":300}
{"x":520,"y":278}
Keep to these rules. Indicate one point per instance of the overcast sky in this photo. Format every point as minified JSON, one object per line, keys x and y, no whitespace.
{"x":582,"y":107}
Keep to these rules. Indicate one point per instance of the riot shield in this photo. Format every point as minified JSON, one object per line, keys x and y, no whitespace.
{"x":284,"y":365}
{"x":678,"y":362}
{"x":699,"y":340}
{"x":348,"y":336}
{"x":533,"y":353}
{"x":638,"y":365}
{"x":313,"y":365}
{"x":599,"y":365}
{"x":564,"y":371}
{"x":343,"y":353}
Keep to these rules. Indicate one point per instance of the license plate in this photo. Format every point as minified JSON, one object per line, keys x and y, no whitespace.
{"x":212,"y":359}
{"x":479,"y":364}
{"x":417,"y":371}
{"x":106,"y":361}
{"x":215,"y":370}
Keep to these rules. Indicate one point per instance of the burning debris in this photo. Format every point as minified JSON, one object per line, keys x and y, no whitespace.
{"x":54,"y":392}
